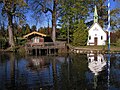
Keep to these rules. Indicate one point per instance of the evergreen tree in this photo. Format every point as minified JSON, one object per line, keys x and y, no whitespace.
{"x":33,"y":28}
{"x":27,"y":30}
{"x":80,"y":34}
{"x":71,"y":12}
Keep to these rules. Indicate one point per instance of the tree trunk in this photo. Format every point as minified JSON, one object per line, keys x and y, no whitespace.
{"x":54,"y":21}
{"x":10,"y":31}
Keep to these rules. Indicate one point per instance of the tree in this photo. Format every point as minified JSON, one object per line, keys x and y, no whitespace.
{"x":43,"y":30}
{"x":71,"y":12}
{"x":115,"y":19}
{"x":11,"y":8}
{"x":27,"y":29}
{"x":20,"y":31}
{"x":33,"y":28}
{"x":80,"y":34}
{"x":102,"y":12}
{"x":44,"y":6}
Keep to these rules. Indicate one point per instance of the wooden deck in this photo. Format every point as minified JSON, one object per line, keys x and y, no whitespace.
{"x":45,"y":47}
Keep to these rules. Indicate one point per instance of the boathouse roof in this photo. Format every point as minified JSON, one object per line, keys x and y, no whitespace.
{"x":34,"y":33}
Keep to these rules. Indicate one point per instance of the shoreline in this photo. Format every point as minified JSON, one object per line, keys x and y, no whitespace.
{"x":82,"y":49}
{"x":93,"y":49}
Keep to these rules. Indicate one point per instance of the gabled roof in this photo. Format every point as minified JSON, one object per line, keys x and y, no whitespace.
{"x":98,"y":25}
{"x":34,"y":32}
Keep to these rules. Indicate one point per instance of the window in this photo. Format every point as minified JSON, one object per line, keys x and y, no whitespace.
{"x":89,"y":37}
{"x":101,"y":37}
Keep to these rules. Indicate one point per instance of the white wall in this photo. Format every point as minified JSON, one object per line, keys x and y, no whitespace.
{"x":96,"y":31}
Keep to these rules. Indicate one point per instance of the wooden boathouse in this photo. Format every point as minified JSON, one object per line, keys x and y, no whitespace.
{"x":41,"y":44}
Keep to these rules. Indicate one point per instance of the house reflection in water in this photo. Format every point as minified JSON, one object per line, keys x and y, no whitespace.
{"x":38,"y":63}
{"x":96,"y":63}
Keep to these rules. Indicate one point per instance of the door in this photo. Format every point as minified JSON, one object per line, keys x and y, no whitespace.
{"x":95,"y":41}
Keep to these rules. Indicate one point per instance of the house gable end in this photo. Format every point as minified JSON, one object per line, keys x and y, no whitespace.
{"x":96,"y":26}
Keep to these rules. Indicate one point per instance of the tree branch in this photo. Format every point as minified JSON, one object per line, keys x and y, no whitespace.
{"x":44,"y":9}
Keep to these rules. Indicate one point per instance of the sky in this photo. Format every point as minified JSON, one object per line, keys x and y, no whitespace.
{"x":44,"y":21}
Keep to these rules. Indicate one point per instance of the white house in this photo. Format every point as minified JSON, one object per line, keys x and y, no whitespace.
{"x":96,"y":35}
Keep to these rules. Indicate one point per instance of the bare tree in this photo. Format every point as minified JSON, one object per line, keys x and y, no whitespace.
{"x":45,"y":6}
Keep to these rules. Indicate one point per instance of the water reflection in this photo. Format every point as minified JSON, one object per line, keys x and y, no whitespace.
{"x":96,"y":63}
{"x":38,"y":63}
{"x":68,"y":72}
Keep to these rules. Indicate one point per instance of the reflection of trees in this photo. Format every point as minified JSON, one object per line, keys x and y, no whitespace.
{"x":55,"y":72}
{"x":38,"y":63}
{"x":73,"y":73}
{"x":40,"y":68}
{"x":12,"y":80}
{"x":3,"y":70}
{"x":115,"y":71}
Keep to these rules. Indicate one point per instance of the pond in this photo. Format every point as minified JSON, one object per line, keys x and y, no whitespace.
{"x":60,"y":72}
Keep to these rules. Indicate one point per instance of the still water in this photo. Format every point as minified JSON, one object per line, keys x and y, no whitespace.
{"x":61,"y":72}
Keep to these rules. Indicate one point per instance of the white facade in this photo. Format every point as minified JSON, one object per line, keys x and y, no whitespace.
{"x":96,"y":35}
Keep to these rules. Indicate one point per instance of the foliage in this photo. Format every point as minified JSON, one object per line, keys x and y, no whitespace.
{"x":80,"y":34}
{"x":33,"y":28}
{"x":11,"y":9}
{"x":14,"y":7}
{"x":3,"y":43}
{"x":72,"y":11}
{"x":27,"y":29}
{"x":43,"y":30}
{"x":118,"y":42}
{"x":115,"y":19}
{"x":102,"y":12}
{"x":21,"y":51}
{"x":67,"y":12}
{"x":41,"y":7}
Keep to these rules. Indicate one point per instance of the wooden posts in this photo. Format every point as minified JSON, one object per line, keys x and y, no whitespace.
{"x":38,"y":51}
{"x":49,"y":48}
